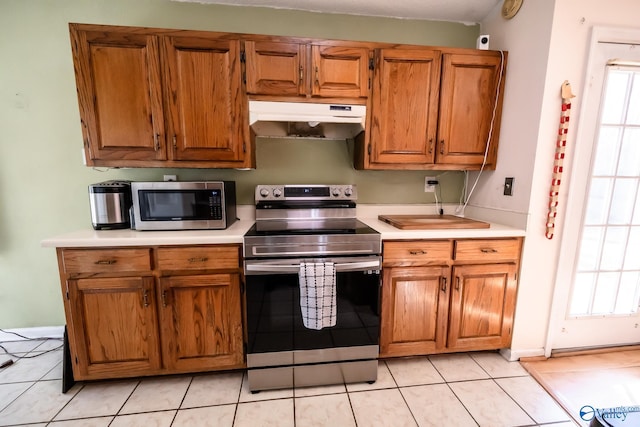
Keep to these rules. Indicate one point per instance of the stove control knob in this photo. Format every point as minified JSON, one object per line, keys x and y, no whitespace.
{"x":264,"y":192}
{"x":336,"y":192}
{"x":348,"y":191}
{"x":277,"y":192}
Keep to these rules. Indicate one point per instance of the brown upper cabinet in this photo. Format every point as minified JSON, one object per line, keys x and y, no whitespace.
{"x":298,"y":69}
{"x":404,"y":108}
{"x":433,"y":109}
{"x":160,"y":98}
{"x":178,"y":98}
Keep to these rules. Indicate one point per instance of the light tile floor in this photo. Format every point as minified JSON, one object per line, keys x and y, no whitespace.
{"x":471,"y":389}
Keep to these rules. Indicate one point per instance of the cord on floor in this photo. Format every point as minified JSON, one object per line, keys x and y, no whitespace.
{"x":27,"y":356}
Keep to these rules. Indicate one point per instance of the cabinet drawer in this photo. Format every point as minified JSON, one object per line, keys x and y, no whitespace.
{"x":106,"y":260}
{"x":488,"y":250}
{"x":199,"y":258}
{"x":422,"y":252}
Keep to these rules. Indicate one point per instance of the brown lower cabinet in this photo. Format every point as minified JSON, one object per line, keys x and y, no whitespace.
{"x":448,"y":295}
{"x":152,"y":310}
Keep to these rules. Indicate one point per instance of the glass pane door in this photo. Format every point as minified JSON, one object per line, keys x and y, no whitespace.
{"x":607,"y":274}
{"x":598,"y":278}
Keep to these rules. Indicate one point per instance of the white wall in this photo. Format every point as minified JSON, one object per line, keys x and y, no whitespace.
{"x":531,"y":117}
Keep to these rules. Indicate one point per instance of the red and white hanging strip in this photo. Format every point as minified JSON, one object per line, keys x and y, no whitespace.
{"x":559,"y":158}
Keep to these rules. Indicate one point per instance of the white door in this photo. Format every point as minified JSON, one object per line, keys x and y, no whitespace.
{"x":598,"y":282}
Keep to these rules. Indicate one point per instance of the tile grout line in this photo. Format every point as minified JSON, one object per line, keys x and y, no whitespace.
{"x":447,"y":383}
{"x":124,"y":403}
{"x":235,"y":411}
{"x":182,"y":400}
{"x":16,"y":398}
{"x":463,"y":405}
{"x":525,"y":411}
{"x":353,"y":412}
{"x":400,"y":390}
{"x":80,"y":388}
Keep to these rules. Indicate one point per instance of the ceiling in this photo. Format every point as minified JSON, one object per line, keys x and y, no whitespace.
{"x":467,"y":11}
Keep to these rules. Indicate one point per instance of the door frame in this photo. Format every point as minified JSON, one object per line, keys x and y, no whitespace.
{"x":576,"y":194}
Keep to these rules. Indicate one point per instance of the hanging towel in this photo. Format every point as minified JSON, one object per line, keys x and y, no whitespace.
{"x":318,"y":294}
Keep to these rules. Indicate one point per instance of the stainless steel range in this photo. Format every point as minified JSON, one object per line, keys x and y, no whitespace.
{"x":312,"y":288}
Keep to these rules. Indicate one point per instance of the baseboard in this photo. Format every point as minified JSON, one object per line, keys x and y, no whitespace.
{"x":513,"y":355}
{"x":32,"y":333}
{"x":567,"y":352}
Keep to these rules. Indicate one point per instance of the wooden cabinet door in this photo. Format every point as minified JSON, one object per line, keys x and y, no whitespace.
{"x":470,"y":109}
{"x":414,"y":310}
{"x":275,"y":68}
{"x":404,"y":109}
{"x":201,"y":322}
{"x":114,"y":325}
{"x":339,"y":71}
{"x":206,"y":107}
{"x":119,"y":94}
{"x":482,"y":306}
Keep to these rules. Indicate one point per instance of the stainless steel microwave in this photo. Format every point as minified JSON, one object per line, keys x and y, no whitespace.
{"x":193,"y":205}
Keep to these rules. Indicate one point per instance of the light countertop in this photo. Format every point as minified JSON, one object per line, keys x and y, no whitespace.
{"x":88,"y":237}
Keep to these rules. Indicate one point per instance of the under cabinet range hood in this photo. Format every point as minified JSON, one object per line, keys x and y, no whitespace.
{"x":306,"y":120}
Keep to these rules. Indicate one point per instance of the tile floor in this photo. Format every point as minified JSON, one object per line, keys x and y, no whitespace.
{"x":474,"y":389}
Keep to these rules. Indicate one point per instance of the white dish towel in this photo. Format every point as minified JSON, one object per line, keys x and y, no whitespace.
{"x":318,"y":294}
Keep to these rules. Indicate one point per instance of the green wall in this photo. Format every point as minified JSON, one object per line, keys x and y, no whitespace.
{"x":43,"y":183}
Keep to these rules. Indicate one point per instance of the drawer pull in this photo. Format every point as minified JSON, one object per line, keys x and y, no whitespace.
{"x":444,"y":284}
{"x":164,"y":298}
{"x":145,"y":298}
{"x":106,"y":262}
{"x":457,"y":283}
{"x":488,"y":250}
{"x":417,"y":252}
{"x":198,"y":259}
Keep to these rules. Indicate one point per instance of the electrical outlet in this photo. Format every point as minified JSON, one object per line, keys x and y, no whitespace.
{"x":508,"y":187}
{"x":429,"y":188}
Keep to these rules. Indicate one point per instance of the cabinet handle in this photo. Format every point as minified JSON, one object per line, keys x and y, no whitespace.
{"x":164,"y":298}
{"x":156,"y":142}
{"x":198,"y":259}
{"x":431,"y":146}
{"x":106,"y":262}
{"x":442,"y":146}
{"x":301,"y":74}
{"x":457,"y":283}
{"x":175,"y":142}
{"x":317,"y":78}
{"x":444,"y":284}
{"x":417,"y":252}
{"x":145,"y":298}
{"x":488,"y":250}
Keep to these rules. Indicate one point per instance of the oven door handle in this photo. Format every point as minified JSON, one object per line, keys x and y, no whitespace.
{"x":295,"y":268}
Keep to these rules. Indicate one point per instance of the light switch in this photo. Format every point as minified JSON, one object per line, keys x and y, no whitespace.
{"x":508,"y":187}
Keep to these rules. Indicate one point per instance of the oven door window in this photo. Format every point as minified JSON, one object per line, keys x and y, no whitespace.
{"x":274,"y":317}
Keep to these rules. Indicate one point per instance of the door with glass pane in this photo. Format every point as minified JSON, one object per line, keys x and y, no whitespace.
{"x":600,"y":259}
